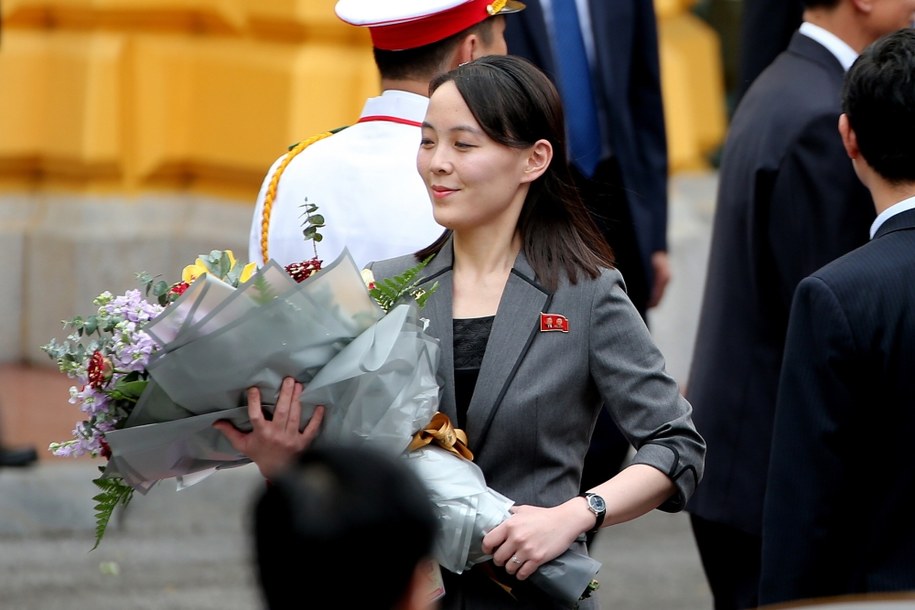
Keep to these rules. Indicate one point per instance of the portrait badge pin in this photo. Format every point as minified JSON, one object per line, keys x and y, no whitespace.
{"x":553,"y":321}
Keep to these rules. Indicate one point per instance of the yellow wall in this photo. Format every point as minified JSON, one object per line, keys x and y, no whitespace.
{"x":202,"y":95}
{"x":199,"y":95}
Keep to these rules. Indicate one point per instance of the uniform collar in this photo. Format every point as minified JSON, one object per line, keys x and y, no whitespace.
{"x":401,"y":104}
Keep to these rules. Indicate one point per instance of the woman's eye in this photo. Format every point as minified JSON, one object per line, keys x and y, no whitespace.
{"x":425,"y":142}
{"x":463,"y":145}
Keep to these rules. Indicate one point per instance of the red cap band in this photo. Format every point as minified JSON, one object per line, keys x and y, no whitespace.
{"x":426,"y":30}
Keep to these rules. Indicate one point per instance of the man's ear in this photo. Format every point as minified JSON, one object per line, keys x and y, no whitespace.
{"x":849,"y":138}
{"x":539,"y":158}
{"x":464,"y":51}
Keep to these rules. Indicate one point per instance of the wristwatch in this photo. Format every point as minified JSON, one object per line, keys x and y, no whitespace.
{"x":597,"y":506}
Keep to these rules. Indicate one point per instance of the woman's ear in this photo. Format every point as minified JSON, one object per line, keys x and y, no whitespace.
{"x":538,"y":159}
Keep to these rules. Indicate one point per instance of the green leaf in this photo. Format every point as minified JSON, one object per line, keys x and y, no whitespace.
{"x":388,"y":292}
{"x":263,"y":292}
{"x":312,"y":223}
{"x":161,"y":287}
{"x":126,"y":389}
{"x":115,"y":492}
{"x":225,"y":264}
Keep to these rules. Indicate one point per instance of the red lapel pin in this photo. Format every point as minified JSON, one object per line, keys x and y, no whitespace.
{"x":553,"y":321}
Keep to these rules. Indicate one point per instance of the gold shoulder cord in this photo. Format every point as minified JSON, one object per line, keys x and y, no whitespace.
{"x":270,"y":195}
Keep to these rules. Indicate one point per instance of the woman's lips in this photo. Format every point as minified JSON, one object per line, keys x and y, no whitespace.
{"x":441,"y":191}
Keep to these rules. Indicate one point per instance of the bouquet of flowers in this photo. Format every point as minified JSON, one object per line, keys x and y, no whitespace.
{"x":108,"y":354}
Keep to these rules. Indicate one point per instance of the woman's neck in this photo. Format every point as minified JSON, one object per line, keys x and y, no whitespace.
{"x":483,"y":254}
{"x":481,"y":269}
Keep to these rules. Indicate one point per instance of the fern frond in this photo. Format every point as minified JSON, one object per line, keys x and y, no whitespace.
{"x":115,"y":492}
{"x":389,"y":291}
{"x":263,"y":291}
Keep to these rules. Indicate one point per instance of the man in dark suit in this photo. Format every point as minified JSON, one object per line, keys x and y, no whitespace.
{"x":838,"y":509}
{"x":788,"y":203}
{"x":626,"y":191}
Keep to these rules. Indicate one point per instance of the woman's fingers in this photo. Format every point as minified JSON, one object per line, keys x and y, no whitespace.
{"x":295,"y":407}
{"x":255,"y":414}
{"x":314,"y":425}
{"x":236,"y":437}
{"x":281,"y":409}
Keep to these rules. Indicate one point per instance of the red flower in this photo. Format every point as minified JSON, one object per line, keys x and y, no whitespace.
{"x":106,"y":449}
{"x":178,"y":289}
{"x":303,"y":270}
{"x":99,"y":370}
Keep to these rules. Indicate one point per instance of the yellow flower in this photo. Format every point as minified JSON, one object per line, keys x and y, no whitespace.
{"x":215,"y":263}
{"x":247,"y":272}
{"x":192,"y":272}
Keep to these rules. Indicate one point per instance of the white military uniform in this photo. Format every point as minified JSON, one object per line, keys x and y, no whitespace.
{"x":365,"y":184}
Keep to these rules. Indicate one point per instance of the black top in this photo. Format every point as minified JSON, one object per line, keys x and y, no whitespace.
{"x":470,"y":336}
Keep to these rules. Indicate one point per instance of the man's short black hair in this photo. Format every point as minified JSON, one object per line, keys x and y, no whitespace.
{"x":879,"y":100}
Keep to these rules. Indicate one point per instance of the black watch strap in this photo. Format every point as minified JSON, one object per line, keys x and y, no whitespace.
{"x":597,"y":506}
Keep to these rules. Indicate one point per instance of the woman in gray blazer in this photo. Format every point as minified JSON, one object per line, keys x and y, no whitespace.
{"x":537,"y":336}
{"x":537,"y":332}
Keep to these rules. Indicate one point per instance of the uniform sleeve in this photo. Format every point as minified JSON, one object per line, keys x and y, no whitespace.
{"x":643,"y":399}
{"x":802,"y":544}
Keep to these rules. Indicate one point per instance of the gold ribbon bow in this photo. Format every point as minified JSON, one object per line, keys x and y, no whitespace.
{"x":442,"y":432}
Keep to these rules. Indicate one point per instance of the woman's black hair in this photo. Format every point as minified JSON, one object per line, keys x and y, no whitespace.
{"x":516,"y":105}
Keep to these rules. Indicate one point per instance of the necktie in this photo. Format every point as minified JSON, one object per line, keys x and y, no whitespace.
{"x":575,"y":87}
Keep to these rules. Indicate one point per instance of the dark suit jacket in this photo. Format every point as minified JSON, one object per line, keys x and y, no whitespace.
{"x":788,"y":203}
{"x":838,"y":511}
{"x":628,"y":92}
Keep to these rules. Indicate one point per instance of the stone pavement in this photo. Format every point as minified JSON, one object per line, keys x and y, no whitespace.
{"x":189,"y":549}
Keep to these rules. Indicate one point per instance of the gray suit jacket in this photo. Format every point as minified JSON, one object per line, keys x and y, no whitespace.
{"x":538,"y":394}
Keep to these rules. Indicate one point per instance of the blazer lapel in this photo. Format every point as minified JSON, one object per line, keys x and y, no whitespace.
{"x":515,"y":326}
{"x":438,"y":311}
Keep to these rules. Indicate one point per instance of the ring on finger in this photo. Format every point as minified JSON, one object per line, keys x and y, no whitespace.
{"x":515,"y":559}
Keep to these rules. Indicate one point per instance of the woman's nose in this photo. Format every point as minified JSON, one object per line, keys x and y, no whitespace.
{"x":439,"y":162}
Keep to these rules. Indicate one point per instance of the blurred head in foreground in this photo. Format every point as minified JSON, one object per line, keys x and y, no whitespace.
{"x":345,"y":523}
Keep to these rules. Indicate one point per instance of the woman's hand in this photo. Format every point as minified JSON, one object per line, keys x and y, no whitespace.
{"x":273,"y":443}
{"x":532,"y":536}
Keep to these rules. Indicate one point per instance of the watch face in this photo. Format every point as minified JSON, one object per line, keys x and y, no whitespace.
{"x":597,"y":503}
